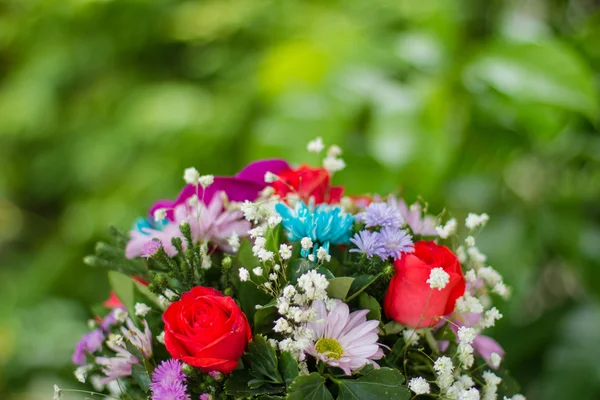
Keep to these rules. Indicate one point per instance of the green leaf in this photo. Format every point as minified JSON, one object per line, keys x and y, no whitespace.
{"x":143,"y":289}
{"x":141,"y":376}
{"x":298,"y":267}
{"x":309,"y":387}
{"x":325,"y":271}
{"x":338,"y":287}
{"x":237,"y":386}
{"x":264,"y":318}
{"x":263,"y":360}
{"x":288,"y":366}
{"x":123,"y":286}
{"x":393,"y":327}
{"x":379,"y":384}
{"x":275,"y":236}
{"x":368,"y":302}
{"x":360,"y":283}
{"x":529,"y":72}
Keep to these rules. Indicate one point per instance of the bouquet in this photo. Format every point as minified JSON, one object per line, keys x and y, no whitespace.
{"x":274,"y":284}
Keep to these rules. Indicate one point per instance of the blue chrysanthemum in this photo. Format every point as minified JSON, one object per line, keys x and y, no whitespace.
{"x":323,"y":224}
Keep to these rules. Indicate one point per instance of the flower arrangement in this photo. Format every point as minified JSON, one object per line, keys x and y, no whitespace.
{"x":273,"y":284}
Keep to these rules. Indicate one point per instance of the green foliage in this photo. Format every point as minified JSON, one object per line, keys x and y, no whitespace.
{"x":380,"y":384}
{"x":309,"y":387}
{"x":266,"y":372}
{"x":367,"y":302}
{"x":339,"y":287}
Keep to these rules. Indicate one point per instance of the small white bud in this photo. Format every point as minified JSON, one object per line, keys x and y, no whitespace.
{"x":191,"y":176}
{"x":315,"y":146}
{"x":141,"y":309}
{"x":244,"y":275}
{"x":206,"y":180}
{"x":160,"y":214}
{"x":270,"y":177}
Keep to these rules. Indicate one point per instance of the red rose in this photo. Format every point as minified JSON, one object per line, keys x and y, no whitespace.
{"x":308,"y":182}
{"x":206,"y":330}
{"x":410,"y":300}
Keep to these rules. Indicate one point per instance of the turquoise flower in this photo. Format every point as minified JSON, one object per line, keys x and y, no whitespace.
{"x":323,"y":224}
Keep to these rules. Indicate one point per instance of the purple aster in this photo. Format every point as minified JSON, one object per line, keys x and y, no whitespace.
{"x":150,"y":247}
{"x":368,"y":243}
{"x":91,"y":342}
{"x":395,"y":242}
{"x":381,"y":214}
{"x":110,"y":319}
{"x":168,"y":382}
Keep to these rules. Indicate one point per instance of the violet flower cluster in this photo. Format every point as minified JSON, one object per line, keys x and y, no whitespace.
{"x":390,"y":240}
{"x":168,"y":381}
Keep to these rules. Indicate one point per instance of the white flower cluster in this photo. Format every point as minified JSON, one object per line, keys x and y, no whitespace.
{"x":438,"y":278}
{"x":294,"y":307}
{"x":490,"y":390}
{"x":419,"y":385}
{"x":332,"y":162}
{"x":473,"y":220}
{"x":258,"y":211}
{"x":192,"y":177}
{"x":448,"y":229}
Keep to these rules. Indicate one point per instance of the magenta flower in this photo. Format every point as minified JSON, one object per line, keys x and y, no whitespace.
{"x":343,"y":339}
{"x":246,"y":185}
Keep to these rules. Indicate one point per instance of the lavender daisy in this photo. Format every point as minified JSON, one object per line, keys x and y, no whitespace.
{"x":343,"y":339}
{"x":168,"y":381}
{"x":382,"y":214}
{"x":368,"y":243}
{"x":395,"y":242}
{"x":413,"y":216}
{"x":210,"y":222}
{"x":91,"y":342}
{"x":116,"y":367}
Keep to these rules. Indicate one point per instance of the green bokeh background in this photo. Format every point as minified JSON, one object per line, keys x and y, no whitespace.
{"x":473,"y":105}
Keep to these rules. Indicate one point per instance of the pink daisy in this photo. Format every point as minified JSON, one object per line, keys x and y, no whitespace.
{"x":343,"y":339}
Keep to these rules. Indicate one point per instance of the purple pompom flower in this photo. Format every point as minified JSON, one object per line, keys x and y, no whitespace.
{"x":368,"y":243}
{"x":168,"y":381}
{"x":91,"y":342}
{"x":395,"y":242}
{"x":383,"y":215}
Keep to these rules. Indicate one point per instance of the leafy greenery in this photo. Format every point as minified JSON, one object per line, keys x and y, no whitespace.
{"x":380,"y":384}
{"x":309,"y":387}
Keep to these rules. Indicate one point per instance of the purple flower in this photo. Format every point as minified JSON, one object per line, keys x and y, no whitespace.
{"x":413,"y":216}
{"x":110,"y":319}
{"x":395,"y":242}
{"x":119,"y":366}
{"x":368,"y":243}
{"x":383,"y":215}
{"x":91,"y":342}
{"x":168,"y":382}
{"x":208,"y":222}
{"x":246,"y":185}
{"x":150,"y":247}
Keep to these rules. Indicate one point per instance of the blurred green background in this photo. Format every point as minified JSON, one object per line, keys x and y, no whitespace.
{"x":474,"y":105}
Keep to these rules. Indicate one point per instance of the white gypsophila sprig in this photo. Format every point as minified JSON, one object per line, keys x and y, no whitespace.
{"x":495,"y":359}
{"x":469,"y":394}
{"x":191,"y":176}
{"x":258,"y":271}
{"x":160,"y":214}
{"x":57,"y":393}
{"x":464,"y":352}
{"x":206,"y":180}
{"x":333,"y":164}
{"x":444,"y":368}
{"x":419,"y":385}
{"x":468,"y":304}
{"x":306,"y":243}
{"x":270,"y":177}
{"x":244,"y":275}
{"x":438,"y":278}
{"x":234,"y":242}
{"x":315,"y":146}
{"x":323,"y":255}
{"x":411,"y":337}
{"x":490,"y":317}
{"x":285,"y":251}
{"x":466,"y":334}
{"x":141,"y":309}
{"x":334,"y":151}
{"x":448,"y":229}
{"x":474,"y":220}
{"x":490,"y":389}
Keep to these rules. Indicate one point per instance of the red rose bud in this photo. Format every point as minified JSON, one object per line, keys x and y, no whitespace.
{"x":308,"y":182}
{"x":206,"y":330}
{"x":410,"y":300}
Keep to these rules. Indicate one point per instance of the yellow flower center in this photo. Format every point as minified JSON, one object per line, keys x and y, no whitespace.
{"x":329,"y":347}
